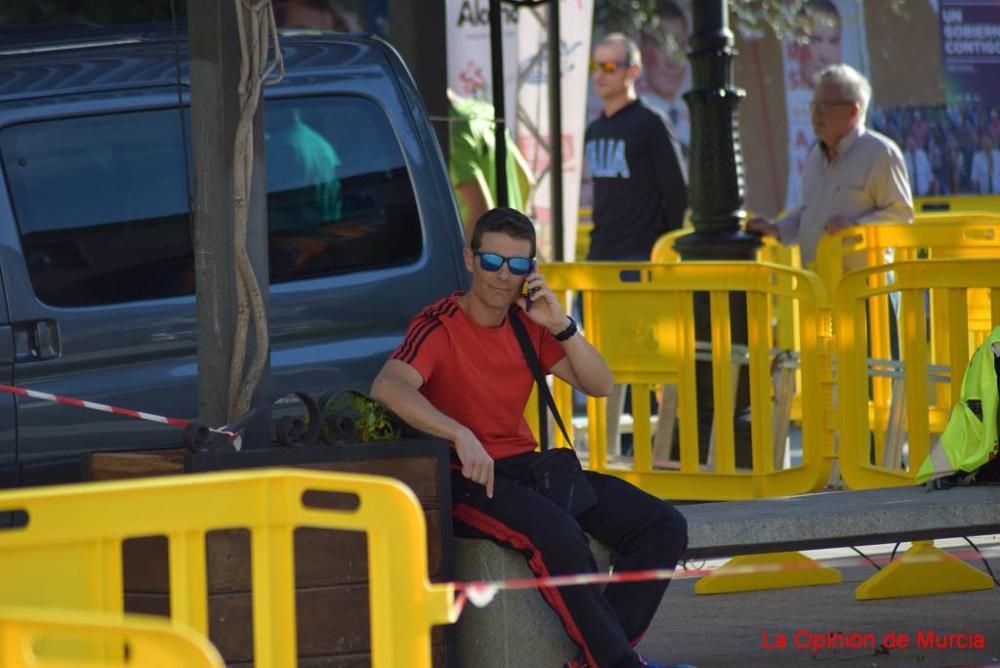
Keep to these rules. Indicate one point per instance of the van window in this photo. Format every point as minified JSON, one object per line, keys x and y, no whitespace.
{"x":101,"y":205}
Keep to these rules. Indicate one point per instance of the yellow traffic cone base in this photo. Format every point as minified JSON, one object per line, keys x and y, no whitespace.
{"x":923,"y":570}
{"x":776,"y":570}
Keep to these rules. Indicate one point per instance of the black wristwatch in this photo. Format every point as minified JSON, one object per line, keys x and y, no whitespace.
{"x":568,"y":332}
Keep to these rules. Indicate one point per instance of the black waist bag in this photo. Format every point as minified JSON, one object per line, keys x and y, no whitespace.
{"x":556,"y":473}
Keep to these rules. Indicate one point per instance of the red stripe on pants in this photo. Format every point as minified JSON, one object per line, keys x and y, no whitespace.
{"x":498,"y":530}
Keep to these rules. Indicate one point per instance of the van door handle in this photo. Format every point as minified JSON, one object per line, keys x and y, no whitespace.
{"x":38,"y":340}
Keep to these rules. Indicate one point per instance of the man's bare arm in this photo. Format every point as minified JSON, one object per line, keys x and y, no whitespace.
{"x":584,"y":368}
{"x":397,"y":386}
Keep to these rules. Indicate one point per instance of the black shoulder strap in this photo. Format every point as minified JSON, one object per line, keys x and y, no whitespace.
{"x":531,"y":357}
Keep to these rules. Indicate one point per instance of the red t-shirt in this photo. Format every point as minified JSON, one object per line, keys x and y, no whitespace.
{"x":477,"y":375}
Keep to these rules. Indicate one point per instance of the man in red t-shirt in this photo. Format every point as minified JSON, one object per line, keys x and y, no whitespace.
{"x":460,"y":374}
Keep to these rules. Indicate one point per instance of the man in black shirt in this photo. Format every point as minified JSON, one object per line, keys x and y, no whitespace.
{"x":640,"y":182}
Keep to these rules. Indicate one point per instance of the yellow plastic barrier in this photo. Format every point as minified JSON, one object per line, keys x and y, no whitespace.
{"x":641,"y":317}
{"x":937,"y":236}
{"x":949,"y":280}
{"x":663,"y":249}
{"x":950,"y":283}
{"x":584,"y":226}
{"x":947,"y":204}
{"x":785,"y":314}
{"x":771,"y":250}
{"x":973,"y":234}
{"x":68,"y":555}
{"x":37,"y":638}
{"x":982,"y":214}
{"x":980,"y":232}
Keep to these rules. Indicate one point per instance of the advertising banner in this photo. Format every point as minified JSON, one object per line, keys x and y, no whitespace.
{"x":533,"y":135}
{"x":970,"y":51}
{"x":666,"y":74}
{"x":836,"y":34}
{"x":952,"y":148}
{"x":469,"y":62}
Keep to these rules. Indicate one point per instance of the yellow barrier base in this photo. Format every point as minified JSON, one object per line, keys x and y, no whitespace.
{"x":777,"y":570}
{"x":923,"y":570}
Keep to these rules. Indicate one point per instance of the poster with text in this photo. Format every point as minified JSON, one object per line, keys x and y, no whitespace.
{"x":970,"y":50}
{"x":469,"y":58}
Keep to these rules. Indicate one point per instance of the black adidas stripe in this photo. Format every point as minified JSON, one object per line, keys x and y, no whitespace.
{"x":407,"y":349}
{"x":428,"y":316}
{"x":416,"y":349}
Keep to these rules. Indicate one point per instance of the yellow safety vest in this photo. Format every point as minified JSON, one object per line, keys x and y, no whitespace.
{"x":970,"y":439}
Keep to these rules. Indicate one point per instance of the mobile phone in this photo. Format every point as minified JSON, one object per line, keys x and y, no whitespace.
{"x":525,"y":290}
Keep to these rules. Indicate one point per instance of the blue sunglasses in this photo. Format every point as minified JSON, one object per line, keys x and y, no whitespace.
{"x":519,"y":266}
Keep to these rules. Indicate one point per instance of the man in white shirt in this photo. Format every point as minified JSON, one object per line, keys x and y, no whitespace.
{"x":852,"y":176}
{"x":918,"y":167}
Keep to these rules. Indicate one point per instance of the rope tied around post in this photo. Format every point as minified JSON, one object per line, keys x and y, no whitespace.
{"x":257,"y":32}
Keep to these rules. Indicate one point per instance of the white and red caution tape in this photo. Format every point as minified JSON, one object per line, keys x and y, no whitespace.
{"x":482,"y":593}
{"x":105,"y":408}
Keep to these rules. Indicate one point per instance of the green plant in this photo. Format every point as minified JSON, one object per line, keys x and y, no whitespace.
{"x":374,"y":423}
{"x":351,"y":416}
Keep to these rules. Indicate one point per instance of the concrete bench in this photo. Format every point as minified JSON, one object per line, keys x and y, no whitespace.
{"x":519,"y":629}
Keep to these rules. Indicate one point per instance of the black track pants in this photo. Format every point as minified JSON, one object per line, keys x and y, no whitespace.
{"x":645,"y":533}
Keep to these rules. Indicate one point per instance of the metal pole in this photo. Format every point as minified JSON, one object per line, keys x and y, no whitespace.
{"x":716,"y":197}
{"x":499,"y":136}
{"x":716,"y":166}
{"x":555,"y":131}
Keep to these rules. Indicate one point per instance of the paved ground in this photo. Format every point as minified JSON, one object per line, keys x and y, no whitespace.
{"x":727,"y":630}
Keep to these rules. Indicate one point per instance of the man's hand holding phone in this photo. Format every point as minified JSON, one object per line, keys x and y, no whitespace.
{"x":526,"y":291}
{"x":540,"y":303}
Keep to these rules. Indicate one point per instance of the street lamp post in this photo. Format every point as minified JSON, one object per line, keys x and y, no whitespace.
{"x":716,"y":161}
{"x":716,"y":197}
